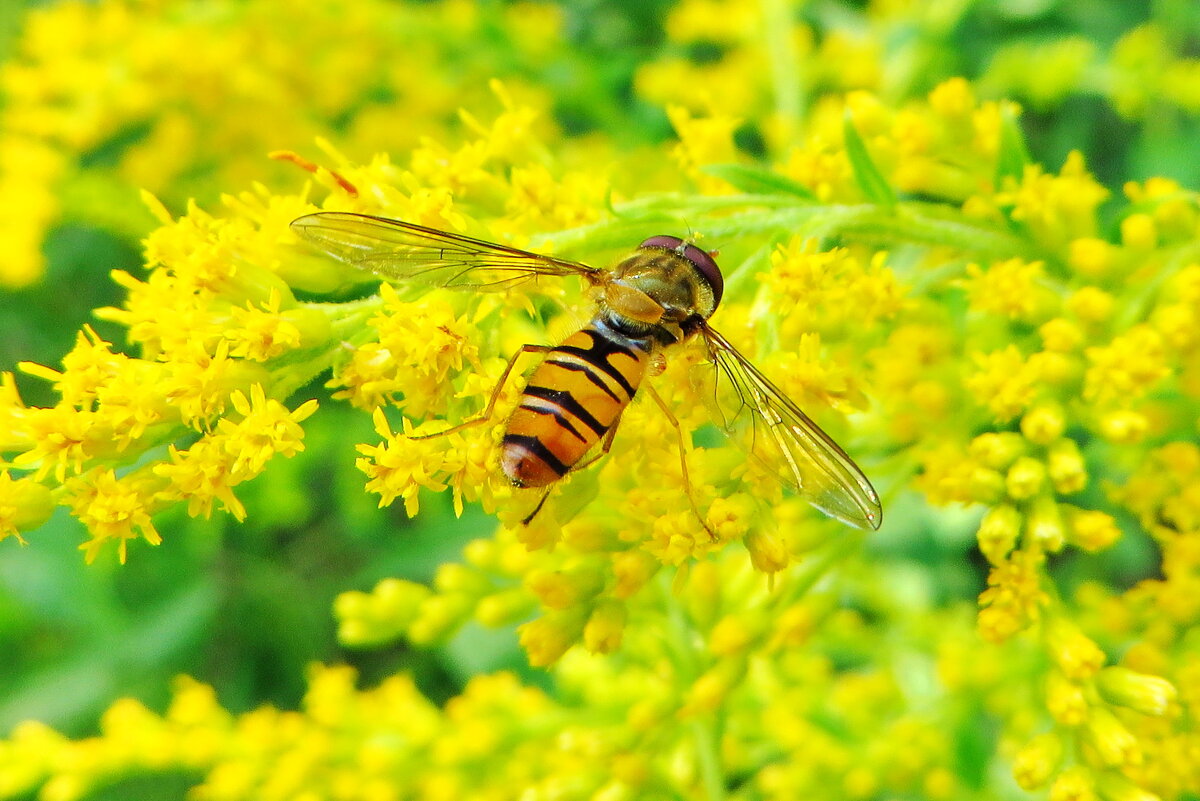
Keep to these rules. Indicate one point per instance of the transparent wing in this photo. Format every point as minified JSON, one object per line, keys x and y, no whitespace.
{"x":786,"y":441}
{"x":401,"y":251}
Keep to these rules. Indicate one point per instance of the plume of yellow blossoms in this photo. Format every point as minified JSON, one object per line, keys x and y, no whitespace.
{"x":75,"y":88}
{"x":1015,"y":361}
{"x":1003,"y":354}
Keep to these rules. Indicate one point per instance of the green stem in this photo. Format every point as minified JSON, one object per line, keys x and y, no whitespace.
{"x":679,"y":639}
{"x":785,"y":63}
{"x":347,"y":325}
{"x":837,"y":550}
{"x":704,"y":731}
{"x":907,"y":222}
{"x":348,"y":314}
{"x":1142,"y":295}
{"x":682,"y":653}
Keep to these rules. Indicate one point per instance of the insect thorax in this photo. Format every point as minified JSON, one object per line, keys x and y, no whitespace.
{"x":673,"y":283}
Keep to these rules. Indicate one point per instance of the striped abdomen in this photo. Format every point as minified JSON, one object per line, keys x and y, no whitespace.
{"x":572,"y":399}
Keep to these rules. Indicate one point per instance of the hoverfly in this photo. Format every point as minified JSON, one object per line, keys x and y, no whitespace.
{"x":661,"y":294}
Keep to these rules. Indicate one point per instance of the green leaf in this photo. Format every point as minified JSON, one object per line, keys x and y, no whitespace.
{"x":868,"y":176}
{"x":755,"y":180}
{"x":1013,"y":155}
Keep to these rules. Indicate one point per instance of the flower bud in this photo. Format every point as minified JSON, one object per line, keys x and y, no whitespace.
{"x":1025,"y":478}
{"x":649,"y":714}
{"x":1092,"y":530}
{"x":632,"y":769}
{"x":1150,"y":695}
{"x":317,"y":274}
{"x":587,"y":535}
{"x":1043,"y":423}
{"x":1124,"y":426}
{"x":602,"y":634}
{"x":1115,"y":787}
{"x":632,"y":569}
{"x":998,"y":449}
{"x":705,"y":587}
{"x":768,"y":554}
{"x":26,"y":505}
{"x":794,"y":626}
{"x":998,"y":532}
{"x":482,"y":553}
{"x":505,"y":608}
{"x":732,"y":635}
{"x":438,"y":617}
{"x":398,"y":598}
{"x":1065,"y":700}
{"x":1091,"y":304}
{"x":1114,"y":743}
{"x":1076,"y":783}
{"x":1060,"y":335}
{"x":380,"y":615}
{"x":1138,"y":232}
{"x":548,"y":637}
{"x":1044,"y":524}
{"x":1066,"y":467}
{"x":561,"y":589}
{"x":709,"y":691}
{"x":459,"y":578}
{"x":985,"y":485}
{"x":1090,"y":257}
{"x":1038,"y":761}
{"x":1076,"y":655}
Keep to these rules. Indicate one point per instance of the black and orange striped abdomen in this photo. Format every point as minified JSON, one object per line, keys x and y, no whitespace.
{"x":572,"y":399}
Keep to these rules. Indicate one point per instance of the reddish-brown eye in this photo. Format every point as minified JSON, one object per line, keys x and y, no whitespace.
{"x":703,"y":262}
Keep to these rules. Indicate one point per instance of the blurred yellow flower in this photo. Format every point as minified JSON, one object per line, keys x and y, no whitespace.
{"x":979,"y":330}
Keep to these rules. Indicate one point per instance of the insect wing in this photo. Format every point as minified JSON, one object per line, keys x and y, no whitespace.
{"x":785,"y":440}
{"x":407,"y":252}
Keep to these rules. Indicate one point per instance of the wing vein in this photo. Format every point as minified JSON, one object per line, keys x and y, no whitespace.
{"x":816,"y":465}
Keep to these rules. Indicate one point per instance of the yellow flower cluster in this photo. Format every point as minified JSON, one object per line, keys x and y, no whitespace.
{"x":190,"y":127}
{"x":223,"y":335}
{"x":209,"y":327}
{"x":1003,"y":350}
{"x":1049,"y":355}
{"x":741,"y":58}
{"x":738,"y":683}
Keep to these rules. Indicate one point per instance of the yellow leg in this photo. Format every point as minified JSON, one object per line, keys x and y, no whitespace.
{"x":605,"y":445}
{"x":486,"y":415}
{"x":687,"y":482}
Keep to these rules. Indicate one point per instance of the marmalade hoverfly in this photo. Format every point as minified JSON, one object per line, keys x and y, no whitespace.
{"x":660,"y":295}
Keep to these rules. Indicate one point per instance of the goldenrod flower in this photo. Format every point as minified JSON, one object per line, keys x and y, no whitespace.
{"x":1038,"y":761}
{"x":114,"y":510}
{"x":1076,"y":783}
{"x":1012,"y":288}
{"x":1011,"y":359}
{"x":25,"y":506}
{"x":1150,"y":695}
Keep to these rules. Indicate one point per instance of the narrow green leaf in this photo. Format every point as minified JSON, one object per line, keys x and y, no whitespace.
{"x":1013,"y":156}
{"x":755,"y":180}
{"x":868,"y":176}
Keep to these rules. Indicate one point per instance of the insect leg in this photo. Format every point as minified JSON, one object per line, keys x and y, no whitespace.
{"x":605,"y":445}
{"x":687,"y":483}
{"x":486,"y":414}
{"x":536,"y":509}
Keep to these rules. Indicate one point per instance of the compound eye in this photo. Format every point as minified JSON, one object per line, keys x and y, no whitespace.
{"x":703,"y":262}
